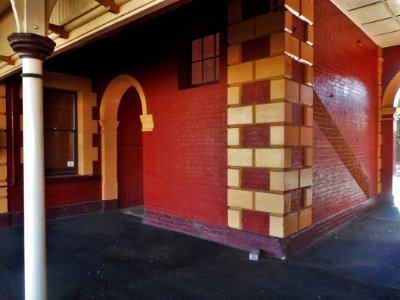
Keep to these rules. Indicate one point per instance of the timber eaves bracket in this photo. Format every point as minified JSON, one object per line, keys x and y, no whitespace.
{"x":7,"y":59}
{"x":110,"y":5}
{"x":59,"y":30}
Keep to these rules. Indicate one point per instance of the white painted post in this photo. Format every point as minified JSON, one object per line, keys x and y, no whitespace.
{"x":33,"y":49}
{"x":34,"y":198}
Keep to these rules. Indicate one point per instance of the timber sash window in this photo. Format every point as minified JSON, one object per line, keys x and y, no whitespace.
{"x":60,"y":134}
{"x":205,"y":60}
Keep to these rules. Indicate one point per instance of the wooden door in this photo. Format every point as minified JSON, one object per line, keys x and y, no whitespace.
{"x":130,"y":150}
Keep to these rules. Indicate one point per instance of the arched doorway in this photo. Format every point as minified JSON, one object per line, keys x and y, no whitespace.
{"x":110,"y":103}
{"x":129,"y":150}
{"x":388,"y":153}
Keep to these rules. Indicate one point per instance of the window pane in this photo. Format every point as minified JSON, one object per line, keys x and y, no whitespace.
{"x":59,"y":149}
{"x":209,"y":67}
{"x":196,"y":50}
{"x":197,"y":72}
{"x":209,"y":46}
{"x":59,"y":110}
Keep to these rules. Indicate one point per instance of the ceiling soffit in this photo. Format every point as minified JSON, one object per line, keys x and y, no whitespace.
{"x":379,"y":19}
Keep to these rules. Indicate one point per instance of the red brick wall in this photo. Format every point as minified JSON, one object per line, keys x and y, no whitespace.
{"x":391,"y":64}
{"x":185,"y":156}
{"x":345,"y":80}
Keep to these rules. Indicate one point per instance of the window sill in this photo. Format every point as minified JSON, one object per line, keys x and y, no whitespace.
{"x":63,"y":179}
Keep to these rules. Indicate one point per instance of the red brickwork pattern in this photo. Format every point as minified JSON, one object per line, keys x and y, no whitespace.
{"x":339,"y":144}
{"x":297,"y":114}
{"x":60,"y":194}
{"x":224,"y":235}
{"x":391,"y":64}
{"x":185,"y":156}
{"x":296,"y":199}
{"x":255,"y":179}
{"x":297,"y":157}
{"x":345,"y":75}
{"x":299,"y":28}
{"x":256,"y":49}
{"x":255,"y":136}
{"x":256,"y":92}
{"x":255,"y":221}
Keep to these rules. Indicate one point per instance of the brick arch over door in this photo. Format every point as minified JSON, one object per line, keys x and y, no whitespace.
{"x":109,"y":124}
{"x":389,"y":97}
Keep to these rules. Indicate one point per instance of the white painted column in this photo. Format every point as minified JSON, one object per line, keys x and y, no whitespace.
{"x":34,"y":198}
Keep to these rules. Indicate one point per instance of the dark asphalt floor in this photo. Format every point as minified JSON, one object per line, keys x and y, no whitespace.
{"x":114,"y":256}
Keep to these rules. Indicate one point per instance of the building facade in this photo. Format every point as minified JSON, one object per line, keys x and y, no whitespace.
{"x":257,"y":124}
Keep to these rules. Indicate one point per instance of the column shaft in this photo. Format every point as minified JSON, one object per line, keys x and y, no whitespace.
{"x":34,"y":200}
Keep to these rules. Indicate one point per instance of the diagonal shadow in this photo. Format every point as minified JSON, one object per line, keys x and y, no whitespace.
{"x":328,"y":127}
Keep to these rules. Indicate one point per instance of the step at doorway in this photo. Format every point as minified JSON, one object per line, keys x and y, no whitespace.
{"x":136,"y":211}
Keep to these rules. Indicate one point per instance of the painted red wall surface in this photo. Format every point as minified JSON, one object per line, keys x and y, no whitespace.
{"x":345,"y":80}
{"x":185,"y":156}
{"x":391,"y":64}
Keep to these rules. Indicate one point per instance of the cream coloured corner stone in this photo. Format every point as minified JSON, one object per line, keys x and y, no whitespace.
{"x":305,"y":218}
{"x":284,"y":180}
{"x":307,"y":11}
{"x":272,"y":203}
{"x":306,"y":177}
{"x":306,"y":53}
{"x":306,"y":136}
{"x":3,"y":205}
{"x":233,"y":136}
{"x":242,"y":157}
{"x":308,"y":197}
{"x":235,"y":218}
{"x":284,"y":135}
{"x":240,"y":115}
{"x":2,"y":90}
{"x":273,"y":112}
{"x":3,"y":156}
{"x":240,"y":199}
{"x":293,"y":6}
{"x":234,"y":95}
{"x":147,"y":122}
{"x":2,"y":105}
{"x":271,"y":67}
{"x":233,"y":177}
{"x":283,"y":226}
{"x":273,"y":157}
{"x":240,"y":73}
{"x":308,"y":159}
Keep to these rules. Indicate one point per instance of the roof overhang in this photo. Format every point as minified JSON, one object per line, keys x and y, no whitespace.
{"x":94,"y":21}
{"x":379,"y":19}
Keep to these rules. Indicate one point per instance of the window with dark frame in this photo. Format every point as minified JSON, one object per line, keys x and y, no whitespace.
{"x":60,"y":132}
{"x":205,"y":60}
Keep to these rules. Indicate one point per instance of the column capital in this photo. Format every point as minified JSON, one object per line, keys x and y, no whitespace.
{"x":31,"y":45}
{"x":387,"y":113}
{"x":108,"y":126}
